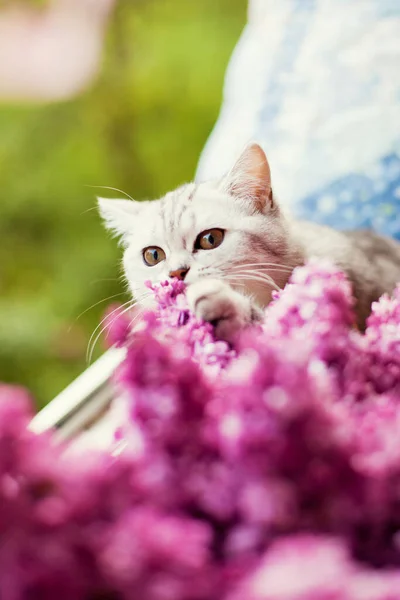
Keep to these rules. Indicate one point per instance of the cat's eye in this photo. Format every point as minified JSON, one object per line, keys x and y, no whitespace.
{"x":153,"y":255}
{"x":209,"y":239}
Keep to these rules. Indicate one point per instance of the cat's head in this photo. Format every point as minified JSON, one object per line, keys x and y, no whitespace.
{"x":230,"y":229}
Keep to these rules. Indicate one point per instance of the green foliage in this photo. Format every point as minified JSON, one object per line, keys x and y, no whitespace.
{"x":140,"y":128}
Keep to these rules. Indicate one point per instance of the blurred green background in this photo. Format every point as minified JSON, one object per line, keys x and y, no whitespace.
{"x":140,"y":128}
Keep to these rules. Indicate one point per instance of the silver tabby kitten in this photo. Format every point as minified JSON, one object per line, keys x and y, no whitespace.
{"x":232,"y":244}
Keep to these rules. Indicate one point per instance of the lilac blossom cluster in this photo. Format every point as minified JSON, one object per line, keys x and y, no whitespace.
{"x":270,"y":471}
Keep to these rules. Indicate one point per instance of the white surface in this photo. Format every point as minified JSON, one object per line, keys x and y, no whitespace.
{"x":86,"y":393}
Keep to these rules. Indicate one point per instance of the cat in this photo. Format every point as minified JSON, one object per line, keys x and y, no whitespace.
{"x":232,"y":244}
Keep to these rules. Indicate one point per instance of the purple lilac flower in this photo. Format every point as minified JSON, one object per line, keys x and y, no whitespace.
{"x":267,"y":471}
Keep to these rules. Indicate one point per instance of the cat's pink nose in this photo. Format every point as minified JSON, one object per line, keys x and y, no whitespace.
{"x":179,"y":273}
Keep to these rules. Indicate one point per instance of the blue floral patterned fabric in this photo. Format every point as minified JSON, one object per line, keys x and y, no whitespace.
{"x":317,"y":83}
{"x":358,"y":200}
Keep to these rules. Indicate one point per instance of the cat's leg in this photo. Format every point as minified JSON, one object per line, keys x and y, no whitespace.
{"x":229,"y":311}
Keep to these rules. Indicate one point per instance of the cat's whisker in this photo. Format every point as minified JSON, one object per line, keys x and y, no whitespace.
{"x":256,"y":272}
{"x":268,"y":283}
{"x":114,"y":189}
{"x":262,"y":266}
{"x":138,"y":310}
{"x":266,"y":276}
{"x":221,"y":269}
{"x":90,"y":348}
{"x":253,"y":275}
{"x":262,"y":278}
{"x":135,"y":318}
{"x":243,"y":280}
{"x":228,"y":273}
{"x":97,"y":304}
{"x":259,"y":272}
{"x":266,"y":270}
{"x":271,"y":264}
{"x":138,"y":313}
{"x":139,"y":298}
{"x":234,"y":279}
{"x":103,"y":329}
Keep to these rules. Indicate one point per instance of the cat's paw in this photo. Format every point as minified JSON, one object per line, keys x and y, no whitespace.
{"x":229,"y":311}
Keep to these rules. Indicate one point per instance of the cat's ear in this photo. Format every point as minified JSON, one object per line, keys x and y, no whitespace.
{"x":250,"y":178}
{"x":118,"y":215}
